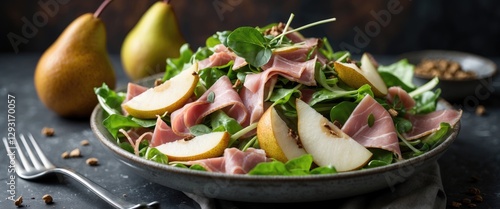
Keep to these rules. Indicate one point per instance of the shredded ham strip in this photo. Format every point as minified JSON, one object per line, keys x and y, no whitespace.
{"x":135,"y":144}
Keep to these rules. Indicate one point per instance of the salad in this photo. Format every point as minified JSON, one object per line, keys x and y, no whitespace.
{"x":269,"y":101}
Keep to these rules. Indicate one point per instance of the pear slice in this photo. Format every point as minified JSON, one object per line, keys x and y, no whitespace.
{"x":200,"y":147}
{"x":166,"y":97}
{"x":276,"y":139}
{"x":367,"y":73}
{"x":328,"y":145}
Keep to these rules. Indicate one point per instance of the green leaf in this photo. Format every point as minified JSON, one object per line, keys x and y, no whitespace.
{"x":371,"y":120}
{"x":342,"y":111}
{"x":155,"y":155}
{"x":438,"y":136}
{"x":324,"y":170}
{"x":199,"y":129}
{"x":282,"y":95}
{"x":249,"y":43}
{"x":220,"y":121}
{"x":197,"y":167}
{"x":398,"y":74}
{"x":109,"y":100}
{"x":303,"y":162}
{"x":211,"y":97}
{"x":176,"y":65}
{"x":380,"y":157}
{"x":269,"y":168}
{"x":115,"y":122}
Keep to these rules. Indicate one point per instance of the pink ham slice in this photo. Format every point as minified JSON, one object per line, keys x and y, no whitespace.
{"x":426,"y":124}
{"x":233,"y":161}
{"x":382,"y":134}
{"x":163,"y":134}
{"x":132,"y":91}
{"x":222,"y":55}
{"x":226,"y":99}
{"x":396,"y":93}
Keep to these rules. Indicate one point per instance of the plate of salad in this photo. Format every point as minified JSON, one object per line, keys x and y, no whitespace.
{"x":264,"y":114}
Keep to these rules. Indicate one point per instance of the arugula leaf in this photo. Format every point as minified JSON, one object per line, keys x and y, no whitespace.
{"x":297,"y":166}
{"x":116,"y":122}
{"x":155,"y":155}
{"x":176,"y":65}
{"x":439,"y":136}
{"x":199,"y":129}
{"x":109,"y":100}
{"x":398,"y":74}
{"x":220,"y":121}
{"x":337,"y":93}
{"x":380,"y":158}
{"x":249,"y":43}
{"x":342,"y":111}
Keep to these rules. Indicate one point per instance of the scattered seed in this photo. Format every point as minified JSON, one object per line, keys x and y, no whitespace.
{"x":471,"y":205}
{"x":47,"y":131}
{"x":474,"y":191}
{"x":84,"y":142}
{"x":480,"y":110}
{"x":18,"y":201}
{"x":47,"y":199}
{"x":478,"y":198}
{"x":65,"y":155}
{"x":466,"y":201}
{"x":75,"y":153}
{"x":92,"y":161}
{"x":456,"y":204}
{"x":158,"y":82}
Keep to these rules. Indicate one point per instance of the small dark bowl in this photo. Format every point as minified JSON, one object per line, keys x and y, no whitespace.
{"x":453,"y":90}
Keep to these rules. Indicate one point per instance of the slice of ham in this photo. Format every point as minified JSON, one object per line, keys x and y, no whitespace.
{"x":233,"y":161}
{"x":132,"y":91}
{"x":426,"y":124}
{"x":163,"y":134}
{"x":221,"y":56}
{"x":226,"y":99}
{"x":399,"y":95}
{"x":382,"y":134}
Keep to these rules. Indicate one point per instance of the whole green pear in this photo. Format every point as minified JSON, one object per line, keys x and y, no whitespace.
{"x":77,"y":62}
{"x":153,"y":39}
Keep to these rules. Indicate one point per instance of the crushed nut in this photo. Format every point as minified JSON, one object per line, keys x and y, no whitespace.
{"x":444,"y":69}
{"x":393,"y":112}
{"x":471,"y":205}
{"x":478,"y":198}
{"x":456,"y":204}
{"x":84,"y":142}
{"x":92,"y":161}
{"x":75,"y":153}
{"x":65,"y":155}
{"x":18,"y":201}
{"x":158,"y":82}
{"x":48,"y":131}
{"x":480,"y":110}
{"x":47,"y":199}
{"x":474,"y":191}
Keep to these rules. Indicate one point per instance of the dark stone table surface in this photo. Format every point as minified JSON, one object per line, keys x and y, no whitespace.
{"x":472,"y":161}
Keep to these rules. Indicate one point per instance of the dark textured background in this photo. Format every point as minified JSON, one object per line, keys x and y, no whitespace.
{"x":471,"y":26}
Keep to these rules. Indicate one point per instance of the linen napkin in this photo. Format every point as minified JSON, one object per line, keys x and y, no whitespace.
{"x":423,"y":190}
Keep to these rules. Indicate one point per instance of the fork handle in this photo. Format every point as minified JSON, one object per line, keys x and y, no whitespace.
{"x":105,"y":194}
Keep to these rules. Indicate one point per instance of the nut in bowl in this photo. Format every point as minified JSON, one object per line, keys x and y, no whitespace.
{"x":460,"y":74}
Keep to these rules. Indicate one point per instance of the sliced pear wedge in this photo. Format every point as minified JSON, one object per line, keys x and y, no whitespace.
{"x":367,"y":73}
{"x":166,"y":97}
{"x":328,"y":145}
{"x":275,"y":137}
{"x":200,"y":147}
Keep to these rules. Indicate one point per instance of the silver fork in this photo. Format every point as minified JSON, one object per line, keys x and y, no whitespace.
{"x":31,"y":168}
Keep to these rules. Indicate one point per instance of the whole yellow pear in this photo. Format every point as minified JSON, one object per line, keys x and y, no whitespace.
{"x":72,"y":66}
{"x":153,"y":39}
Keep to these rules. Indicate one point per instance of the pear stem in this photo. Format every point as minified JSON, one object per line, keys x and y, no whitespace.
{"x":101,"y":8}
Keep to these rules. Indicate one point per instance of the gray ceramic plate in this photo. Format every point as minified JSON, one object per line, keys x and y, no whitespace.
{"x":457,"y":89}
{"x":270,"y":188}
